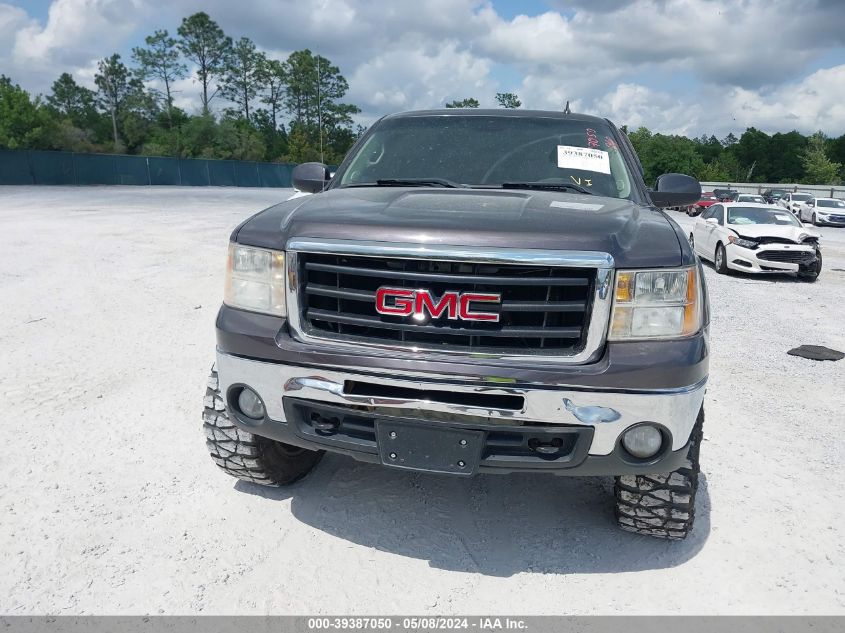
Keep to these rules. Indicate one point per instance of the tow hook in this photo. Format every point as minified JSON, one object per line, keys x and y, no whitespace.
{"x":324,"y":425}
{"x":551,"y":447}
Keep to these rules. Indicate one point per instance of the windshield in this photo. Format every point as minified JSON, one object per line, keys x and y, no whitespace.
{"x":836,"y":204}
{"x":757,"y":199}
{"x":801,"y":197}
{"x":490,"y":150}
{"x":755,"y":215}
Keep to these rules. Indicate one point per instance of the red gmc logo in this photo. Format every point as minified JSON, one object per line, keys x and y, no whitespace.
{"x":455,"y":305}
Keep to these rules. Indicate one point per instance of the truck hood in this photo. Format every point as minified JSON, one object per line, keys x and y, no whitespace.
{"x":634,"y":235}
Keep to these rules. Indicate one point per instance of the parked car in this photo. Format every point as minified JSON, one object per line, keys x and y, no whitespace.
{"x":756,"y":238}
{"x":793,"y":201}
{"x":707,"y":199}
{"x":823,"y":211}
{"x":750,"y":197}
{"x":475,"y":291}
{"x":726,"y":195}
{"x":773,"y":195}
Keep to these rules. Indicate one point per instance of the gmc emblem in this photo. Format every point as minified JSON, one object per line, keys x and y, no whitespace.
{"x":455,"y":305}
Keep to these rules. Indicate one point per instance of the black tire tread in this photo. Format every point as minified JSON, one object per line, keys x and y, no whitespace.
{"x":723,"y":270}
{"x":661,"y":505}
{"x":247,"y":456}
{"x":811,"y":275}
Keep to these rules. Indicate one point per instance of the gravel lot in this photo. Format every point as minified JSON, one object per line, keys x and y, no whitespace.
{"x":111,"y":505}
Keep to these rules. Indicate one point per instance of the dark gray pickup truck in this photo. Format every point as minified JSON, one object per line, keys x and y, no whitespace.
{"x":473,"y":291}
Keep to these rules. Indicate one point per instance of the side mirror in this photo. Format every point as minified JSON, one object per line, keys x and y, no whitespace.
{"x":310,"y":177}
{"x":711,"y":221}
{"x":675,"y":190}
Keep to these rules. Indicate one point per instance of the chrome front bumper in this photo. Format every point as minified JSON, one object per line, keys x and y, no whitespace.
{"x":609,"y":413}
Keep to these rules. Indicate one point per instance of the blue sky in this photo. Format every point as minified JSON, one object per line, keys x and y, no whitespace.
{"x":687,"y":66}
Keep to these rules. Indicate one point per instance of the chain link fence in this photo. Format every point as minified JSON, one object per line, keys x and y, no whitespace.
{"x":32,"y":167}
{"x":820,"y":191}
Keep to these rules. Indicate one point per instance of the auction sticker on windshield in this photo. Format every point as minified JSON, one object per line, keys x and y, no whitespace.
{"x":583,"y":158}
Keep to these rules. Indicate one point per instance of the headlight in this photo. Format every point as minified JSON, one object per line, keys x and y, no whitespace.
{"x":655,"y":304}
{"x":255,"y":280}
{"x":742,"y":242}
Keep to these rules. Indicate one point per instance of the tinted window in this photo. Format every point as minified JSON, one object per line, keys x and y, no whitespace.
{"x":756,"y":215}
{"x":713,"y":212}
{"x":836,"y":204}
{"x":489,"y":150}
{"x":800,"y":197}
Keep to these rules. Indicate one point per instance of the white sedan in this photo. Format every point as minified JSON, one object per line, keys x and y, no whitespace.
{"x":750,"y":197}
{"x":823,"y":211}
{"x":756,"y":238}
{"x":793,"y":201}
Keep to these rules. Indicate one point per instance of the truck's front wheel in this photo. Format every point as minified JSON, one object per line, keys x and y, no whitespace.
{"x":661,"y":505}
{"x":247,"y":456}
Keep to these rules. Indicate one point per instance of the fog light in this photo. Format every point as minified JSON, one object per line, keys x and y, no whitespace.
{"x":642,"y":441}
{"x":250,"y":404}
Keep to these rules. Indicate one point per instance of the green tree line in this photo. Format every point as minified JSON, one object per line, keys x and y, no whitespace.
{"x":292,"y":110}
{"x":753,"y":157}
{"x":289,"y":110}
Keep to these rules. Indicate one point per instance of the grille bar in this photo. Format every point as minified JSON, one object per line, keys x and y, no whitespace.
{"x":788,"y":257}
{"x":332,"y":317}
{"x":455,"y":279}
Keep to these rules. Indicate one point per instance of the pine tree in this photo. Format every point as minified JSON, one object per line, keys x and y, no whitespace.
{"x":112,"y":81}
{"x":818,"y":168}
{"x":203,"y":42}
{"x":160,"y":61}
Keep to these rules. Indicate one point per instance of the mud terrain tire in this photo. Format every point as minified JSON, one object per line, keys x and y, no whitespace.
{"x":662,"y":505}
{"x":246,"y":456}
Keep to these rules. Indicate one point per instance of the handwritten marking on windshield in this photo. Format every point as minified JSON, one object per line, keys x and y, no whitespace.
{"x":587,"y":182}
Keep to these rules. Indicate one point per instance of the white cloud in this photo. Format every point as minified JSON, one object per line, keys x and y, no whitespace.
{"x":634,"y":105}
{"x":13,"y":20}
{"x":77,"y":30}
{"x":687,"y":66}
{"x":814,"y":103}
{"x":420,"y":77}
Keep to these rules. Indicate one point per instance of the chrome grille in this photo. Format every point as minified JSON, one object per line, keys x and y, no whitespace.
{"x":545,"y":309}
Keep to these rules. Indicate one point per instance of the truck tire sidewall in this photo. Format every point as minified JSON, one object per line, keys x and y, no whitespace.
{"x":247,"y":456}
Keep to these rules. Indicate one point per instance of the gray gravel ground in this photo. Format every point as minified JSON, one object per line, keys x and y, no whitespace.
{"x":110,"y":503}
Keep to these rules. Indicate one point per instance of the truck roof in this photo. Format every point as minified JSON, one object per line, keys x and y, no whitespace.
{"x":502,"y":112}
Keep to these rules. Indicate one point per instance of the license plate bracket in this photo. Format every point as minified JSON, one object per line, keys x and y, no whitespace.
{"x":413,"y":446}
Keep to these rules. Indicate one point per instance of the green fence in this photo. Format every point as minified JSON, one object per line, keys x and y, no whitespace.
{"x":31,"y":167}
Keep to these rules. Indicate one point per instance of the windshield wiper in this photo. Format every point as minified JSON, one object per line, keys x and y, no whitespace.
{"x":546,"y":186}
{"x":418,"y":182}
{"x":408,"y":182}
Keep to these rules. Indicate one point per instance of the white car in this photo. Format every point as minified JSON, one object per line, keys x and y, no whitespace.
{"x":793,"y":201}
{"x":750,"y":197}
{"x":823,"y":211}
{"x":756,"y":238}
